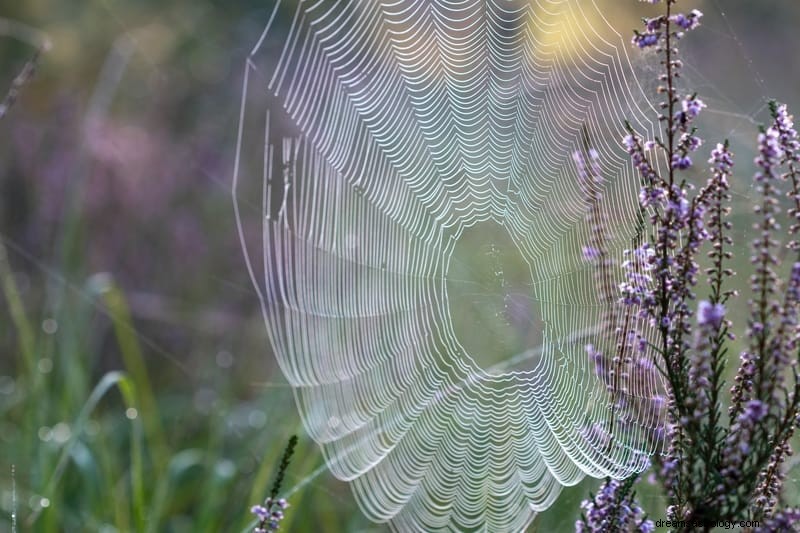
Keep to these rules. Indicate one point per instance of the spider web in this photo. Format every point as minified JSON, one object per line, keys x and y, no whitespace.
{"x":425,"y":210}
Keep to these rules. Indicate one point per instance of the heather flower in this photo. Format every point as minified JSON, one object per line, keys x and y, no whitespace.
{"x":588,"y":172}
{"x":755,"y":411}
{"x":758,"y":372}
{"x":590,"y":253}
{"x":261,"y":512}
{"x":269,"y":515}
{"x":777,"y":343}
{"x":681,"y":162}
{"x":615,"y":509}
{"x":636,"y":148}
{"x":721,"y":159}
{"x":788,"y":138}
{"x":701,"y":372}
{"x":770,"y":152}
{"x":687,"y":22}
{"x":596,"y":357}
{"x":637,"y":289}
{"x":691,"y":106}
{"x":690,"y":143}
{"x":786,"y":520}
{"x":709,"y":314}
{"x":628,"y":384}
{"x":654,"y":24}
{"x":645,"y":40}
{"x":770,"y":480}
{"x":735,"y":452}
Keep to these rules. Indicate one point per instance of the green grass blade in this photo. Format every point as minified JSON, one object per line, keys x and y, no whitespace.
{"x":133,"y":358}
{"x":126,"y":388}
{"x":25,"y":332}
{"x":178,"y":465}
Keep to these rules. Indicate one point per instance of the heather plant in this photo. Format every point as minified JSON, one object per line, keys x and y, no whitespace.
{"x":614,"y":508}
{"x":270,"y":513}
{"x":715,"y":468}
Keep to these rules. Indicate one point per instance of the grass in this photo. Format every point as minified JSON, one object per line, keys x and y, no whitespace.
{"x":85,"y":458}
{"x":104,"y":428}
{"x":102,"y":433}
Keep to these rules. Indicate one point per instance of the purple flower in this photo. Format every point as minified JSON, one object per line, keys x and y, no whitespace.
{"x":637,"y":288}
{"x":261,"y":512}
{"x":690,"y":142}
{"x":654,"y":24}
{"x":613,"y":508}
{"x":681,"y":162}
{"x":647,"y":526}
{"x":687,"y":22}
{"x":629,"y":142}
{"x":645,"y":40}
{"x":709,"y":314}
{"x":721,"y":159}
{"x":770,"y":152}
{"x":755,"y":410}
{"x":692,"y":106}
{"x":590,"y":253}
{"x":269,"y":515}
{"x":590,"y":173}
{"x":596,"y":357}
{"x":785,"y":520}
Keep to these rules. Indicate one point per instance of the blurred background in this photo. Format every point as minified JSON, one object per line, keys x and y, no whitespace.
{"x":121,"y":253}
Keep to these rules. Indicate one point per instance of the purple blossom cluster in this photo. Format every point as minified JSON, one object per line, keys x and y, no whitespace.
{"x":613,"y":509}
{"x":766,"y":405}
{"x":269,"y":515}
{"x":622,"y":347}
{"x":791,"y":149}
{"x":782,"y":521}
{"x":710,"y":316}
{"x":687,"y":22}
{"x":637,"y":289}
{"x":713,"y":469}
{"x":655,"y":28}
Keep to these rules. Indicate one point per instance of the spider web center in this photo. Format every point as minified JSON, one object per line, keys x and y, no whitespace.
{"x":489,"y":294}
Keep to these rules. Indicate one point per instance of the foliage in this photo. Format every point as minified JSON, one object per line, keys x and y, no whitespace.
{"x":714,"y":469}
